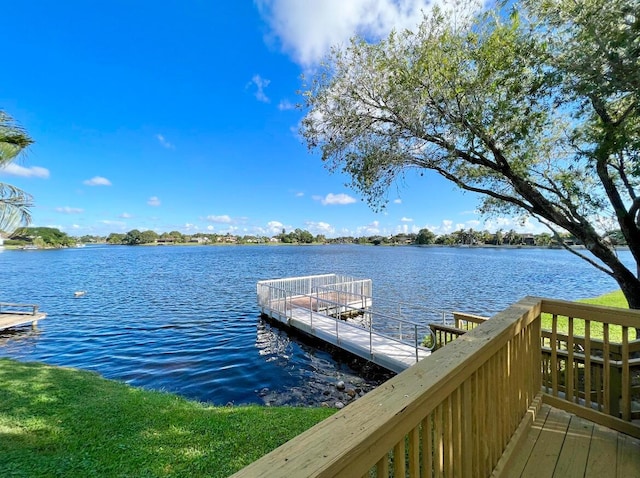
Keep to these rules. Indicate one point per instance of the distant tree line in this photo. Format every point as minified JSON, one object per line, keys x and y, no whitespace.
{"x":52,"y":237}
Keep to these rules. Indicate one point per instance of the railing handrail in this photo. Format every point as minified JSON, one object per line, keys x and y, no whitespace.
{"x":392,"y":301}
{"x":342,"y":304}
{"x":595,"y":313}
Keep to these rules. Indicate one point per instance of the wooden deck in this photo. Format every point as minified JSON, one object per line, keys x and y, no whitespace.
{"x":562,"y":445}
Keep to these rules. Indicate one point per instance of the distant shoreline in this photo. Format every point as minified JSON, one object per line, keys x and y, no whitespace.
{"x":276,"y":244}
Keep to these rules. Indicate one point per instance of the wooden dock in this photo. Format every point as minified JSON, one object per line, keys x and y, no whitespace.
{"x":14,"y":315}
{"x":322,"y":307}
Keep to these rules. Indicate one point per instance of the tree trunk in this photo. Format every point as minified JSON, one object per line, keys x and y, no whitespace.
{"x":630,"y":286}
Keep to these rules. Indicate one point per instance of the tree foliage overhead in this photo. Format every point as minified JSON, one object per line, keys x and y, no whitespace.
{"x":14,"y":202}
{"x":535,"y":106}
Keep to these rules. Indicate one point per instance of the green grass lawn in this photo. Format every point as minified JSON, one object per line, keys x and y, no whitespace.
{"x":61,"y":422}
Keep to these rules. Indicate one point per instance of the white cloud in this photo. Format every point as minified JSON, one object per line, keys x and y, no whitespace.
{"x":113,"y":223}
{"x":260,"y":85}
{"x":299,"y":195}
{"x":13,"y":169}
{"x":332,"y":199}
{"x":97,"y":181}
{"x":406,"y":219}
{"x":209,"y":228}
{"x":285,"y":105}
{"x":125,"y":215}
{"x":163,"y":141}
{"x":320,"y":228}
{"x":224,"y":219}
{"x":370,"y":229}
{"x":397,"y":201}
{"x":307,"y":30}
{"x":153,"y":201}
{"x":473,"y":224}
{"x":274,"y":227}
{"x":69,"y":210}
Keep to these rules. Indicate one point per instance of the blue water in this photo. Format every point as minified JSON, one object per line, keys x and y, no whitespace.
{"x":185,"y":320}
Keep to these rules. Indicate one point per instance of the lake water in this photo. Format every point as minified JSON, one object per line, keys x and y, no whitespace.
{"x":185,"y":320}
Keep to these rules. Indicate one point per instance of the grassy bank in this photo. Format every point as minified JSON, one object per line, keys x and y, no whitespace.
{"x":65,"y":422}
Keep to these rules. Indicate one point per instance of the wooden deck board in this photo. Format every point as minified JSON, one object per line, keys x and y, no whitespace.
{"x":519,"y":460}
{"x":575,"y":449}
{"x":562,"y":445}
{"x":628,"y":455}
{"x":544,"y":455}
{"x":603,"y":453}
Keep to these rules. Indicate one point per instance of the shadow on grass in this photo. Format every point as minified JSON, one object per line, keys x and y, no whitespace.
{"x":65,"y":422}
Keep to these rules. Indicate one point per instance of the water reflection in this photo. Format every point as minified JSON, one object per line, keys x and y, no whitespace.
{"x":26,"y":336}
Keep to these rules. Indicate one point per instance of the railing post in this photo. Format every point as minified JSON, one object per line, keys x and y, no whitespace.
{"x":615,"y":388}
{"x":371,"y":334}
{"x":416,"y":336}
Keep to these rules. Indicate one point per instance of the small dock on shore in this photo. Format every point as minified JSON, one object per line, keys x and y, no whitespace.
{"x":14,"y":315}
{"x":339,"y":310}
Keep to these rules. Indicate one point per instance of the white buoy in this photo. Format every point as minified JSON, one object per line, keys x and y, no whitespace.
{"x":79,"y":293}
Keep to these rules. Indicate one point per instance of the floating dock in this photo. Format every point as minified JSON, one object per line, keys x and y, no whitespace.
{"x":339,"y":310}
{"x":14,"y":315}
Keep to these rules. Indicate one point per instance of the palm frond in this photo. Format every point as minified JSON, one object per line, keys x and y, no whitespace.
{"x":13,"y":139}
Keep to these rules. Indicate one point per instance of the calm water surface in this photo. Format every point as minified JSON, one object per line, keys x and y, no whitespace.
{"x":185,"y":320}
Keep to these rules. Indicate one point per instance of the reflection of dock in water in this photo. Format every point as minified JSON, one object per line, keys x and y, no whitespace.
{"x":14,"y":315}
{"x":321,"y":306}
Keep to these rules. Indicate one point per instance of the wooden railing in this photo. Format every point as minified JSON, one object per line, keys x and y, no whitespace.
{"x":18,"y":309}
{"x":494,"y":376}
{"x":597,"y":378}
{"x":467,"y":321}
{"x":462,"y":323}
{"x":413,"y":424}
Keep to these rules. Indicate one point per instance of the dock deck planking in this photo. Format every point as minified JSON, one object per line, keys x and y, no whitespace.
{"x":377,"y":348}
{"x":15,"y":319}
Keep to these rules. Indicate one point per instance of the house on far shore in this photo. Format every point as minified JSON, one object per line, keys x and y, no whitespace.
{"x":227,"y":238}
{"x":164,"y":242}
{"x":200,"y":240}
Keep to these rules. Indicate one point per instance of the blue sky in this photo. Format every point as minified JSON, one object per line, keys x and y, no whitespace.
{"x":179,"y":115}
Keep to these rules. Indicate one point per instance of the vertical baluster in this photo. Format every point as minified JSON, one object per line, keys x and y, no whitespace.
{"x":554,"y":355}
{"x":382,"y":467}
{"x":626,"y":381}
{"x":569,"y":364}
{"x":587,"y":363}
{"x":456,"y":430}
{"x":427,"y":446}
{"x":399,"y":468}
{"x":414,"y":452}
{"x":438,"y":456}
{"x":606,"y":370}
